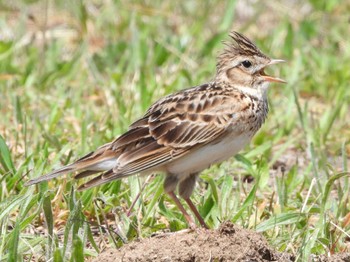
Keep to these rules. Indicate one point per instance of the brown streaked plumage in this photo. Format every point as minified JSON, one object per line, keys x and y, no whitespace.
{"x":186,"y":132}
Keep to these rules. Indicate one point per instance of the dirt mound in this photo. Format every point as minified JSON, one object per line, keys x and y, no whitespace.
{"x":345,"y":257}
{"x":228,"y":243}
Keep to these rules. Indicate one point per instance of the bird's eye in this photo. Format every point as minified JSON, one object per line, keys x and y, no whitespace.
{"x":246,"y":63}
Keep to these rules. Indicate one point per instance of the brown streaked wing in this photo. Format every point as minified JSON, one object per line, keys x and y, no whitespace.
{"x":182,"y":97}
{"x":187,"y":132}
{"x":151,"y":159}
{"x":142,"y":122}
{"x":134,"y":135}
{"x":94,"y":154}
{"x":171,"y":132}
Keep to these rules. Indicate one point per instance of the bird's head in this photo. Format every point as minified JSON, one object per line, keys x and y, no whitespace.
{"x":242,"y":64}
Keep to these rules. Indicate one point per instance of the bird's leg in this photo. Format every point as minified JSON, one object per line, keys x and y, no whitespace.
{"x":170,"y":184}
{"x":196,"y":213}
{"x":186,"y":187}
{"x":182,"y":209}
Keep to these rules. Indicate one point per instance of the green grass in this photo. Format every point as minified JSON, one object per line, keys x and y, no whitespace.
{"x":97,"y":67}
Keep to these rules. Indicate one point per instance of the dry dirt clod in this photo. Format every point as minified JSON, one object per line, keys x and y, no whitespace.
{"x":228,"y":243}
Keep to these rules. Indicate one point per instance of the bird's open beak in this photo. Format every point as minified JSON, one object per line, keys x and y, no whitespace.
{"x":271,"y":78}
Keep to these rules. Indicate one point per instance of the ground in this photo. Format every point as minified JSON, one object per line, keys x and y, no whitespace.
{"x":228,"y":243}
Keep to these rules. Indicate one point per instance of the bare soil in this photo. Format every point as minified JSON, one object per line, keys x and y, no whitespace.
{"x":228,"y":243}
{"x":343,"y":257}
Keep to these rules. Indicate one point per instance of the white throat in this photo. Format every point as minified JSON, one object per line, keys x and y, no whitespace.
{"x":260,"y":92}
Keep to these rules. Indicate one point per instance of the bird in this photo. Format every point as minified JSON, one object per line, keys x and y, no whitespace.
{"x":186,"y":132}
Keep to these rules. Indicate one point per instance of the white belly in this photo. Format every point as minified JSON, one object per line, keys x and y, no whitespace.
{"x":203,"y":157}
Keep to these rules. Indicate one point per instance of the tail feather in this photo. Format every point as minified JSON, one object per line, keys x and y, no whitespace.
{"x":95,"y":181}
{"x":86,"y":173}
{"x":99,"y":161}
{"x":53,"y":174}
{"x":103,"y":178}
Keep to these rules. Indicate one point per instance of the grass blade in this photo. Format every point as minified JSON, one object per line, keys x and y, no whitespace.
{"x":5,"y":157}
{"x":279,"y":220}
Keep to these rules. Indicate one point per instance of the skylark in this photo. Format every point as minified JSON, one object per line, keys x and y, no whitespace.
{"x":188,"y":131}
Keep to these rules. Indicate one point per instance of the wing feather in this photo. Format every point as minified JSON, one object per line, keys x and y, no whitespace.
{"x":168,"y":131}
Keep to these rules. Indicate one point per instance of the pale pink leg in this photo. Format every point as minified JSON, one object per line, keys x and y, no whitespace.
{"x":188,"y":218}
{"x":196,"y":213}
